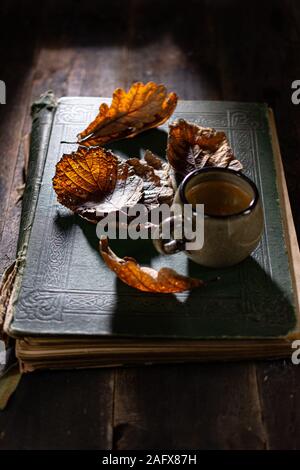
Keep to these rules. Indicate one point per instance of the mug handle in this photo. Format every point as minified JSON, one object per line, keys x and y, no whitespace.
{"x":171,"y":245}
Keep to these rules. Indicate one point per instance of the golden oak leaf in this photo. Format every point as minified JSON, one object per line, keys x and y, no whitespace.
{"x":93,"y":182}
{"x":144,"y":106}
{"x":146,"y":279}
{"x":191,"y":146}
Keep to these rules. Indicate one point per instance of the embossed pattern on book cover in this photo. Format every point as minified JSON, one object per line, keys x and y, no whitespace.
{"x":67,"y":289}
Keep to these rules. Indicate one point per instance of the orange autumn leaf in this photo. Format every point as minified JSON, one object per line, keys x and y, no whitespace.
{"x":146,"y":279}
{"x":93,"y":182}
{"x":191,"y":147}
{"x":144,"y":106}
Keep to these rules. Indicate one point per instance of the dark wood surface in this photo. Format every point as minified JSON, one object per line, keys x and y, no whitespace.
{"x":227,"y":50}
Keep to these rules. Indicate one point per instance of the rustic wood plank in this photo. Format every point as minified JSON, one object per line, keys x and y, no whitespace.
{"x":213,"y":406}
{"x":279,"y":389}
{"x":59,"y":410}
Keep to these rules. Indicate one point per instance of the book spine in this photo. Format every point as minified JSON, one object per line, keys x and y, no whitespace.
{"x":42,"y":112}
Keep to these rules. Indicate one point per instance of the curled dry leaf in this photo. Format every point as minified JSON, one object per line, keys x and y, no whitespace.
{"x":191,"y":146}
{"x":93,"y":182}
{"x":146,"y":279}
{"x":144,"y":106}
{"x":158,"y":185}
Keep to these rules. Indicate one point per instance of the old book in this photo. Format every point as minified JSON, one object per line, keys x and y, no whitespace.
{"x":67,"y":309}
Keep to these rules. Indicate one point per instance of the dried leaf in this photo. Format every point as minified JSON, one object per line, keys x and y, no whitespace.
{"x":93,"y":182}
{"x":141,"y":108}
{"x":191,"y":146}
{"x":158,"y":186}
{"x":146,"y":279}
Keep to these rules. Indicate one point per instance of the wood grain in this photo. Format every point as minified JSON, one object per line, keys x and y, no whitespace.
{"x":202,"y":50}
{"x":59,"y":410}
{"x":188,"y":407}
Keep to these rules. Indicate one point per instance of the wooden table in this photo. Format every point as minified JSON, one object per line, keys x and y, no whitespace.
{"x":247,"y":51}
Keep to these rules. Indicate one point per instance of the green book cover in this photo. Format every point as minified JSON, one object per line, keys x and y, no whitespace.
{"x":63,"y":287}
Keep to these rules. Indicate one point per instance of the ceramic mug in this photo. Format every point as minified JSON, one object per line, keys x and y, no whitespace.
{"x":228,"y":238}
